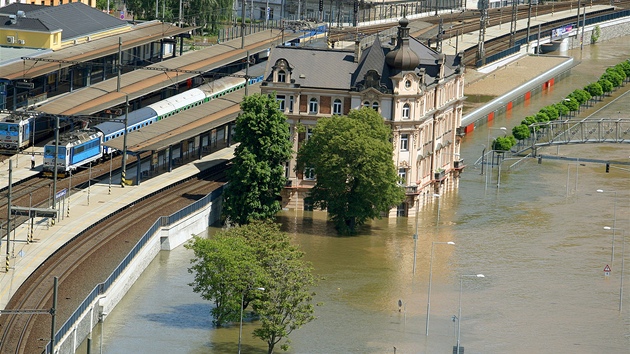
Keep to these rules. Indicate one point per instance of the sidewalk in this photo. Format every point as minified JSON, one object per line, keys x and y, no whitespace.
{"x":85,"y":208}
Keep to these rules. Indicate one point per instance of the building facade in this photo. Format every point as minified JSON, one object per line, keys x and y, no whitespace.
{"x":418,"y":91}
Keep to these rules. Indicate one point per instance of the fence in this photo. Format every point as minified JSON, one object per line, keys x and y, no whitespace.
{"x":102,"y":288}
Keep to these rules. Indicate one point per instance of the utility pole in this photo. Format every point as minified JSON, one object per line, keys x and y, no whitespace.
{"x":243,"y":25}
{"x":119,"y":63}
{"x":481,"y":51}
{"x":513,"y":24}
{"x":529,"y":18}
{"x":9,"y":215}
{"x":123,"y":177}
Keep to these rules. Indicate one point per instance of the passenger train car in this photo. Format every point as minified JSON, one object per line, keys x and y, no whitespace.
{"x":136,"y":120}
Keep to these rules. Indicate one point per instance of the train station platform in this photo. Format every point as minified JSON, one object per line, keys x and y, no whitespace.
{"x":94,"y":204}
{"x":471,"y":39}
{"x":21,"y":165}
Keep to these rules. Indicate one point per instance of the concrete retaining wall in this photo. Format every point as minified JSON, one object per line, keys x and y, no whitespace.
{"x":169,"y":237}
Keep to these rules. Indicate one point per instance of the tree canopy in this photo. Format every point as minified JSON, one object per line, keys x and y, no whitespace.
{"x":352,"y":159}
{"x":257,"y":264}
{"x":257,"y":175}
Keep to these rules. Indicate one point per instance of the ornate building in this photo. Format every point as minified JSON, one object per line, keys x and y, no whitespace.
{"x":418,"y":91}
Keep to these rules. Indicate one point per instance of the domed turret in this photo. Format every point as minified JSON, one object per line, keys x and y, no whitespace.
{"x":402,"y":57}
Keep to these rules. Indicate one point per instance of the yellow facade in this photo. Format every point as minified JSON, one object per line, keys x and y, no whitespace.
{"x":30,"y":39}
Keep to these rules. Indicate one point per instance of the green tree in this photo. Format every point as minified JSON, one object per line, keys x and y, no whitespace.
{"x":286,"y":304}
{"x":551,"y":112}
{"x":594,"y":89}
{"x":256,"y":177}
{"x":606,"y":85}
{"x":571,"y":103}
{"x":503,"y":143}
{"x":356,"y":177}
{"x":562,"y":109}
{"x":541,"y":117}
{"x":625,"y":65}
{"x":225,"y":268}
{"x":521,"y":132}
{"x":615,"y":79}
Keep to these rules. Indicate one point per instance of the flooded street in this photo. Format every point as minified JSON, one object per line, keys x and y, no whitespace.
{"x":538,"y":238}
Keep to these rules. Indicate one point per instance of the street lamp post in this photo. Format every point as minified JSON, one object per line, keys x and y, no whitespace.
{"x":612,"y":251}
{"x":490,"y":148}
{"x":459,"y":312}
{"x":240,"y":328}
{"x":430,"y":279}
{"x":623,"y":250}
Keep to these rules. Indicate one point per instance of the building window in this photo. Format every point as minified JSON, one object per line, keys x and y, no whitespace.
{"x":404,"y":142}
{"x":309,"y":133}
{"x":407,"y":83}
{"x":337,"y":107}
{"x":280,"y":100}
{"x":290,"y":104}
{"x":309,"y":173}
{"x":405,"y":111}
{"x":313,"y":106}
{"x":282,"y":77}
{"x":366,"y":104}
{"x":401,"y":211}
{"x":375,"y":106}
{"x":402,"y":176}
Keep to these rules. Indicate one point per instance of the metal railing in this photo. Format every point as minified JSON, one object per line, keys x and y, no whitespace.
{"x":102,"y":288}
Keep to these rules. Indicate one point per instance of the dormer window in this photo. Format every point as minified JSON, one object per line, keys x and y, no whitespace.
{"x":282,"y":76}
{"x":366,"y":104}
{"x":375,"y":106}
{"x":372,"y":79}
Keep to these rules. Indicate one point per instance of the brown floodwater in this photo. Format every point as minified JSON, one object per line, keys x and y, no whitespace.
{"x":539,"y":239}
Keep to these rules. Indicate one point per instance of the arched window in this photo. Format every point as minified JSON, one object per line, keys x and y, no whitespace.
{"x":282,"y":76}
{"x":405,"y":111}
{"x":313,"y":106}
{"x":366,"y":104}
{"x":375,"y":106}
{"x":337,"y":107}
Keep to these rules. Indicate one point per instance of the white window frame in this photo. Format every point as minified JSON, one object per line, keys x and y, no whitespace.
{"x":282,"y":76}
{"x":402,"y":176}
{"x":404,"y":142}
{"x":281,"y":102}
{"x":406,"y":110}
{"x":337,"y":107}
{"x":313,"y":105}
{"x":309,"y":174}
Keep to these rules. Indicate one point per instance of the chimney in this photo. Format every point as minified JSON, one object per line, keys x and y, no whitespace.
{"x":357,"y":51}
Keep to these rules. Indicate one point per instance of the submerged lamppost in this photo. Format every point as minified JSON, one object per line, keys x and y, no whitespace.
{"x":459,"y":312}
{"x":430,"y":279}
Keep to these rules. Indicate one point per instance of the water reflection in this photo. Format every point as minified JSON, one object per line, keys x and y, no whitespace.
{"x":539,"y":240}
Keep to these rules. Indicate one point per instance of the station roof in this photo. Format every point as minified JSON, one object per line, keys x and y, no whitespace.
{"x":184,"y":125}
{"x":139,"y":34}
{"x":138,"y":83}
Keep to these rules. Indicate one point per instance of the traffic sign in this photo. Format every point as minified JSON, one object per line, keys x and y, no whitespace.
{"x":607,"y":270}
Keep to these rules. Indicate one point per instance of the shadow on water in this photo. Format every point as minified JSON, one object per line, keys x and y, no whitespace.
{"x":313,"y":224}
{"x":183,"y":316}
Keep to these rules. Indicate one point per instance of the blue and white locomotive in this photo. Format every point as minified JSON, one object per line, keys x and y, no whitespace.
{"x":75,"y":149}
{"x":68,"y":158}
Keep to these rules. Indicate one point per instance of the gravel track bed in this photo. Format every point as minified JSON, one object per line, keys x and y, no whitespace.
{"x":122,"y":232}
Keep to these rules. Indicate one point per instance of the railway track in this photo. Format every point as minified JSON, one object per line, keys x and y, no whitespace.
{"x":89,"y":259}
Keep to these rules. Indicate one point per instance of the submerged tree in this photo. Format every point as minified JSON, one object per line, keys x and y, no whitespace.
{"x":257,"y":177}
{"x":352,"y":159}
{"x":257,"y":264}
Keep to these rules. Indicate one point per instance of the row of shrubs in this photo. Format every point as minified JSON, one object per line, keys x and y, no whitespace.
{"x":612,"y":78}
